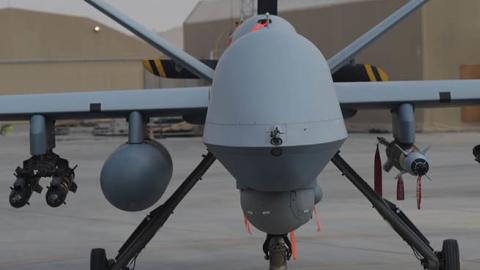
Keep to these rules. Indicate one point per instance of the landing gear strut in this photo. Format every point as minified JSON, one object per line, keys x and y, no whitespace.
{"x":447,"y":259}
{"x":147,"y":229}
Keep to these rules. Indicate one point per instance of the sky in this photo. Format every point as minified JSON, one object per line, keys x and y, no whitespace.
{"x":158,"y":15}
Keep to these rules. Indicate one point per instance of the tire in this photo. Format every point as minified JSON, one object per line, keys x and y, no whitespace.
{"x":98,"y":259}
{"x":450,"y":255}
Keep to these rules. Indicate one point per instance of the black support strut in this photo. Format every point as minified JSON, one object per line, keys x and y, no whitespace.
{"x":155,"y":220}
{"x":267,"y":6}
{"x":392,"y":214}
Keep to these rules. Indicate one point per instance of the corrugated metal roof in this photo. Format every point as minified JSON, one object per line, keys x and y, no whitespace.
{"x":212,"y":10}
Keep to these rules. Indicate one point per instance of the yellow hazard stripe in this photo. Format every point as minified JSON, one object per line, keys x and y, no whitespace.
{"x":146,"y":65}
{"x":383,"y":74}
{"x":161,"y":70}
{"x":370,"y":74}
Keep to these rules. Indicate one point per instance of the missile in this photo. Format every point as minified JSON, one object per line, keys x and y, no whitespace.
{"x":22,"y":190}
{"x":58,"y":190}
{"x":409,"y":159}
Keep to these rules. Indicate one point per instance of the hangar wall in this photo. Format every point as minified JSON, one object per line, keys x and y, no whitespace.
{"x":451,"y":39}
{"x":43,"y":52}
{"x":68,"y":76}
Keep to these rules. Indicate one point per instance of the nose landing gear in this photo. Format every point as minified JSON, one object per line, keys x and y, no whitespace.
{"x":278,"y":250}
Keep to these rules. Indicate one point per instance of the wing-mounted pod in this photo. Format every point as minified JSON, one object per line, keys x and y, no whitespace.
{"x":137,"y":173}
{"x":42,"y":163}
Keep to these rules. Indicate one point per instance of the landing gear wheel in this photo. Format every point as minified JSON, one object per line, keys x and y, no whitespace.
{"x":98,"y":259}
{"x":450,"y":255}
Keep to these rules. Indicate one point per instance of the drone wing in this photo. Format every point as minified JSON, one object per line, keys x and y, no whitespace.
{"x":443,"y":93}
{"x":106,"y":104}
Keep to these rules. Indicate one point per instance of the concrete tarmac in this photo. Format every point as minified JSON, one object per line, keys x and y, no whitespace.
{"x":206,"y":231}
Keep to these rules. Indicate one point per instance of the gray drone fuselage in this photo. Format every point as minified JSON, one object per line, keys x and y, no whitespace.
{"x":274,"y":133}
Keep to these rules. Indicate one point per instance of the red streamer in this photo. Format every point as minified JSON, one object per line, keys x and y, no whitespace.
{"x":317,"y":219}
{"x":294,"y":245}
{"x":248,"y":229}
{"x":400,"y":189}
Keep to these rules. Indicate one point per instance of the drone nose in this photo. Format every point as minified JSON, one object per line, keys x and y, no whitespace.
{"x":420,"y":166}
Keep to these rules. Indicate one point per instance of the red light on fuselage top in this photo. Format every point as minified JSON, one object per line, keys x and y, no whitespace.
{"x":259,"y":26}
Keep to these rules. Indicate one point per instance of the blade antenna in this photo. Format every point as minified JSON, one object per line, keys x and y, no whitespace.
{"x":346,"y":55}
{"x":184,"y":59}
